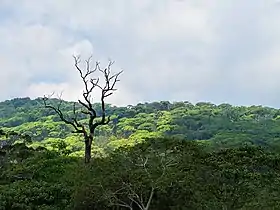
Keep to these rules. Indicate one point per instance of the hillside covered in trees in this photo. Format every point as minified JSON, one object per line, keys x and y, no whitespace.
{"x":218,"y":126}
{"x":157,"y":155}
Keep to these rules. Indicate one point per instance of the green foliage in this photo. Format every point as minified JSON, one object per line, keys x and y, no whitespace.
{"x":33,"y":179}
{"x":171,"y":173}
{"x":222,"y":125}
{"x":33,"y":195}
{"x":158,"y":155}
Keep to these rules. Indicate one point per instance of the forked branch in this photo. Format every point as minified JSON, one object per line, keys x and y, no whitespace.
{"x":90,"y":83}
{"x":79,"y":128}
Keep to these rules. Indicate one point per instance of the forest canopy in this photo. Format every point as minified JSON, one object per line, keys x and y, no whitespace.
{"x":158,"y":155}
{"x":218,"y":126}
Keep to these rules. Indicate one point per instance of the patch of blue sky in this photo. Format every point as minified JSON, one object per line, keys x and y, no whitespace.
{"x":49,"y":79}
{"x":6,"y":13}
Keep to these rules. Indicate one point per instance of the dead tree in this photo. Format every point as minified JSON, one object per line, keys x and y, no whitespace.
{"x":90,"y":83}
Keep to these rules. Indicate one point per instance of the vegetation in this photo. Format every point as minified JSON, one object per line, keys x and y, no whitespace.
{"x":217,"y":126}
{"x":158,"y":155}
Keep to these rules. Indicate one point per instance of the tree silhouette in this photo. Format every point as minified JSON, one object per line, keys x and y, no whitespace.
{"x":86,"y":104}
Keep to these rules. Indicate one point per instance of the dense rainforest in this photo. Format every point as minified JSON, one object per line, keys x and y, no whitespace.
{"x":157,"y":155}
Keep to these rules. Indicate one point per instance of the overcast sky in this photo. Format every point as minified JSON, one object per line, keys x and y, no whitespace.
{"x":178,"y":50}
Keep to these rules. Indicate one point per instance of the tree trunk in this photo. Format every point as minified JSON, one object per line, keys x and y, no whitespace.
{"x":88,"y":142}
{"x":87,"y":152}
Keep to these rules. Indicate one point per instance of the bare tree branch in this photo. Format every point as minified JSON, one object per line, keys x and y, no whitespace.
{"x":74,"y":123}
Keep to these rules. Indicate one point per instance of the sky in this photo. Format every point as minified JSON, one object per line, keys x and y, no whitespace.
{"x":177,"y":50}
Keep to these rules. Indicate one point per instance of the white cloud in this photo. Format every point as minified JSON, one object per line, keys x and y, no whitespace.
{"x":67,"y":91}
{"x":178,"y":50}
{"x":175,"y":20}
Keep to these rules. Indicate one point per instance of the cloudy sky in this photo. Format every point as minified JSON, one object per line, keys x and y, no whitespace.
{"x":177,"y":50}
